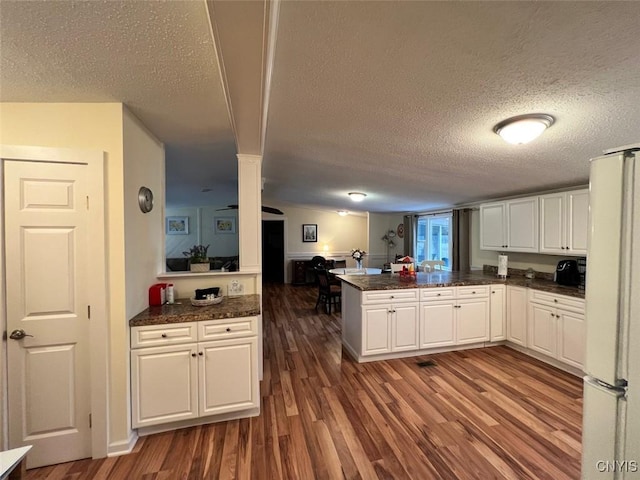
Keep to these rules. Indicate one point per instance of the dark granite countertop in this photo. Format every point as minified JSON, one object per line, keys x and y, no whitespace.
{"x":391,"y":281}
{"x":183,"y":311}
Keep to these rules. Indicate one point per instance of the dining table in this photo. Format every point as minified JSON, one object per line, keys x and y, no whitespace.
{"x":355,"y":271}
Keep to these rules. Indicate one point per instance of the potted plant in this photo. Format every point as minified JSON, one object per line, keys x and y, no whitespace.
{"x":198,"y":258}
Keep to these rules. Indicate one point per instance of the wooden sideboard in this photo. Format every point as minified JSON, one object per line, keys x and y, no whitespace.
{"x":302,"y":270}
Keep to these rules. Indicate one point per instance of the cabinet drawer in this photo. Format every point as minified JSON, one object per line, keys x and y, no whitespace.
{"x":390,"y":296}
{"x":474,"y":291}
{"x":167,"y":334}
{"x":430,"y":294}
{"x":576,"y":304}
{"x":227,"y":328}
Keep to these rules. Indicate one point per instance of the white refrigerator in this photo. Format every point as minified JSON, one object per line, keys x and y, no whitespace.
{"x":611,"y":424}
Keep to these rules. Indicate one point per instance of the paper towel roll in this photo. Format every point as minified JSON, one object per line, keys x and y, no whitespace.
{"x":502,"y":266}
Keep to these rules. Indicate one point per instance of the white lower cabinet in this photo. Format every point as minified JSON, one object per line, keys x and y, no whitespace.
{"x":437,"y":324}
{"x":542,"y":334}
{"x":556,"y":327}
{"x":462,"y":319}
{"x":384,"y":322}
{"x":164,"y":384}
{"x":227,"y":376}
{"x":188,"y":378}
{"x":571,"y":338}
{"x":390,"y":328}
{"x":498,"y":313}
{"x":517,"y":315}
{"x":472,"y":321}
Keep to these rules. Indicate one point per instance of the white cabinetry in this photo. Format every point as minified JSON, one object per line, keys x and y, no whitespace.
{"x":195,"y":369}
{"x":556,"y":327}
{"x":510,"y":226}
{"x":389,"y":321}
{"x":563,"y":222}
{"x":498,"y":313}
{"x":454,"y":316}
{"x":517,"y":315}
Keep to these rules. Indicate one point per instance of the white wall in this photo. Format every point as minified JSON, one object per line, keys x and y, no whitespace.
{"x":539,"y":262}
{"x":337,"y":235}
{"x":202,"y":232}
{"x":379,"y":225}
{"x":144,"y":258}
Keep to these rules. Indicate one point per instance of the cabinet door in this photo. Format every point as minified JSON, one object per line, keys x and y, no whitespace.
{"x":228,"y":375}
{"x":376,"y":337}
{"x":437,"y":327}
{"x":163,"y":384}
{"x":404,"y":327}
{"x":552,"y":223}
{"x":492,"y":226}
{"x":299,"y":272}
{"x":522,"y":225}
{"x":472,"y":321}
{"x":542,"y":335}
{"x":571,"y":338}
{"x":517,"y":315}
{"x":577,"y":221}
{"x":498,"y":313}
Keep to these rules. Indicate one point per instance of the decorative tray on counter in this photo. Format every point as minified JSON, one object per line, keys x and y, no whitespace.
{"x":205,"y":302}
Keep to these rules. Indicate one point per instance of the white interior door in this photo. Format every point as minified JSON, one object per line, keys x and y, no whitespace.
{"x":46,"y":255}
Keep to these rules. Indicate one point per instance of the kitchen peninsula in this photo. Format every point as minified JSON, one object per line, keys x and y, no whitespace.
{"x":386,"y":316}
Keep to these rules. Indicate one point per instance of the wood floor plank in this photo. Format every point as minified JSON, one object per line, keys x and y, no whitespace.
{"x":481,"y":413}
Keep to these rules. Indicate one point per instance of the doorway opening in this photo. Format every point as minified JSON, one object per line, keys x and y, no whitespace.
{"x":273,"y":251}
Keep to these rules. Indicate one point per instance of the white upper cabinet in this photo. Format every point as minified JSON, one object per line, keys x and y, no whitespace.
{"x":563,"y":222}
{"x":493,"y":232}
{"x":510,"y":226}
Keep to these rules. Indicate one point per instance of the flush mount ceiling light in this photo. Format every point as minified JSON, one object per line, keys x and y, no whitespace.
{"x":357,"y":196}
{"x":343,"y":213}
{"x":523,"y":128}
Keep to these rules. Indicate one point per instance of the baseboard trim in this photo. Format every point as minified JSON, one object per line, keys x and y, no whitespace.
{"x":123,"y":447}
{"x":166,"y":427}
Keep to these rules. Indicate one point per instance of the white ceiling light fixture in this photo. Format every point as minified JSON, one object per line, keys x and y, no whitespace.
{"x":357,"y":196}
{"x":343,"y":213}
{"x":523,"y":128}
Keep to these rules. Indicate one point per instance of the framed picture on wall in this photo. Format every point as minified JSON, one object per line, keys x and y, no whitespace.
{"x":225,"y":224}
{"x":309,"y":232}
{"x":177,"y":226}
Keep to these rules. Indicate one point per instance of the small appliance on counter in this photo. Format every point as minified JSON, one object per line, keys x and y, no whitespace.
{"x":567,"y":273}
{"x":157,"y":294}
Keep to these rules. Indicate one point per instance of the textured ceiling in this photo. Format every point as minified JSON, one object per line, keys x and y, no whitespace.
{"x":156,"y":57}
{"x":399,"y":99}
{"x":395,"y":99}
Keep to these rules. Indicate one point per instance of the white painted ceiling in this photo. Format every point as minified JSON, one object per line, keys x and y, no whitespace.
{"x":395,"y":99}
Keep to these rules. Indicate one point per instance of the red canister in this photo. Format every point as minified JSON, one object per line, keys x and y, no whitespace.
{"x":156,"y":294}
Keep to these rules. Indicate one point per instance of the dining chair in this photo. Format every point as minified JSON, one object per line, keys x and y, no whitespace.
{"x":431,"y":265}
{"x":328,"y":293}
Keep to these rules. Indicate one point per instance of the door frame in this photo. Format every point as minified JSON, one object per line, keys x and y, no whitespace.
{"x":284,"y":244}
{"x":97,"y":284}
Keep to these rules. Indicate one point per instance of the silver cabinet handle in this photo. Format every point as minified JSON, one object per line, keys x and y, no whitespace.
{"x":19,"y":334}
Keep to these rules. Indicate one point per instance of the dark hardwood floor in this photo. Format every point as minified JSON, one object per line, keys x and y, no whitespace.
{"x":476,"y":414}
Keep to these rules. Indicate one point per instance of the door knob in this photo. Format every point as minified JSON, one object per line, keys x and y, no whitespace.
{"x":19,"y":334}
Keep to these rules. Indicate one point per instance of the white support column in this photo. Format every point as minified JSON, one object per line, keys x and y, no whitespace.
{"x":250,"y":212}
